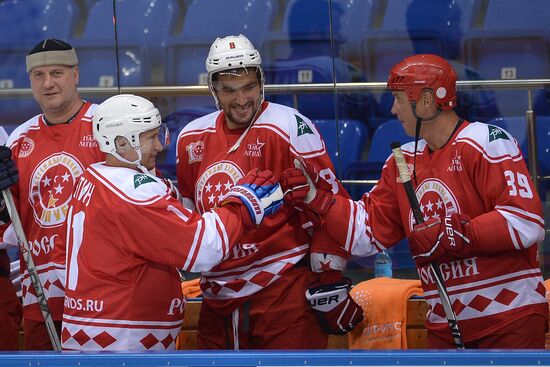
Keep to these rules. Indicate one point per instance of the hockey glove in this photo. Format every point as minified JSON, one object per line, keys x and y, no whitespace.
{"x":301,"y":190}
{"x":336,"y":311}
{"x":434,"y":238}
{"x":8,"y":172}
{"x":258,"y":193}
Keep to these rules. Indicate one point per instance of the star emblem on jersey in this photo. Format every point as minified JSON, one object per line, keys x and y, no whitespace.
{"x":27,"y":146}
{"x":51,"y":186}
{"x":142,"y":179}
{"x":195,"y":151}
{"x":254,"y":149}
{"x":436,"y":200}
{"x":302,"y":127}
{"x":496,"y":133}
{"x":214,"y":183}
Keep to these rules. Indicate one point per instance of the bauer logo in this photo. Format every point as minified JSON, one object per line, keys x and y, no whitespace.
{"x":142,"y":179}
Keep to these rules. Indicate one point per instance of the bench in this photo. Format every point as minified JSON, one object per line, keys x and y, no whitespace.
{"x":417,"y":335}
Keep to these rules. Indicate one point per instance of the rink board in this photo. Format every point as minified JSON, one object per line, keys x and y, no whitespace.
{"x":278,"y":358}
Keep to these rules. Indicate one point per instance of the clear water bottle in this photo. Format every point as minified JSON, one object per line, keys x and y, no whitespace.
{"x":382,"y":265}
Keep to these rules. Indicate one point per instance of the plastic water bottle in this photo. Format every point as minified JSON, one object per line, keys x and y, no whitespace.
{"x":382,"y":265}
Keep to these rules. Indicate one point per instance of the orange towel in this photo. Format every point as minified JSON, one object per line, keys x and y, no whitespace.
{"x":191,"y":288}
{"x":384,"y":303}
{"x":547,"y":285}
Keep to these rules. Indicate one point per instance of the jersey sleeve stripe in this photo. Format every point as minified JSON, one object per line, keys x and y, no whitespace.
{"x":223,"y":235}
{"x":194,"y":249}
{"x":479,"y":148}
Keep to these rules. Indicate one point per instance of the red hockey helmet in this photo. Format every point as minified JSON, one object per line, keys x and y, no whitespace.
{"x":425,"y":71}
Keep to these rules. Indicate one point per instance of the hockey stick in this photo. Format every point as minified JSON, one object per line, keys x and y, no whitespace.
{"x":42,"y":302}
{"x":419,"y":218}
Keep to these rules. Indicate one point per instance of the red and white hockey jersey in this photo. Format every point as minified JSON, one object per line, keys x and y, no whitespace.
{"x":480,"y":172}
{"x":206,"y":171}
{"x":49,"y":159}
{"x":126,"y":237}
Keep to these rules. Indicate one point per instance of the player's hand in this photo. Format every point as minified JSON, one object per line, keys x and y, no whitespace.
{"x":258,"y":193}
{"x":303,"y":187}
{"x":435,"y":237}
{"x":336,"y":311}
{"x":174,"y":192}
{"x":8,"y":172}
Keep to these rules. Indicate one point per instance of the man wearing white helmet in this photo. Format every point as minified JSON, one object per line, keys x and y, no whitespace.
{"x":260,"y":286}
{"x":50,"y":150}
{"x":127,"y":235}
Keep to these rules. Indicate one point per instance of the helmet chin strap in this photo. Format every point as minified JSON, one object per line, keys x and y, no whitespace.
{"x":417,"y":133}
{"x":137,"y":162}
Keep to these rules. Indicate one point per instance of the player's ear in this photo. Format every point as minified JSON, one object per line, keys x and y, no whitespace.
{"x":122,"y":145}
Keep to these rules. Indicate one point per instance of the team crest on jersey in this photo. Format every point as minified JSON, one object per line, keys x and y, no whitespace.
{"x":302,"y":126}
{"x":214,"y":183}
{"x":254,"y":149}
{"x":51,"y":186}
{"x":27,"y":146}
{"x":436,"y":200}
{"x":496,"y":133}
{"x":195,"y":151}
{"x":142,"y":179}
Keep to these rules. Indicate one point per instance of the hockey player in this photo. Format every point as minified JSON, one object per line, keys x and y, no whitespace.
{"x":483,"y":218}
{"x":51,"y":151}
{"x":255,"y":298}
{"x":127,"y":235}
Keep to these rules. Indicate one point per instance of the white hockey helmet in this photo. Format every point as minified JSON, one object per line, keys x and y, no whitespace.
{"x":125,"y":115}
{"x":233,"y":52}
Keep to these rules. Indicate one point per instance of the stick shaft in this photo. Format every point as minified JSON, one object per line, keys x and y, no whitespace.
{"x":419,"y":218}
{"x":35,"y":280}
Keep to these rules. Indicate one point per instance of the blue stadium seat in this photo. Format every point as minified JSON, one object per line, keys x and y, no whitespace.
{"x":306,"y":29}
{"x":357,"y":106}
{"x":512,"y":44}
{"x":143,"y":28}
{"x":387,"y":133}
{"x":22,"y":25}
{"x":345,"y":141}
{"x":413,"y":27}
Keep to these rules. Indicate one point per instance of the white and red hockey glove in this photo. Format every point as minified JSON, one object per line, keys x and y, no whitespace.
{"x":174,"y":192}
{"x":336,"y":311}
{"x":258,"y":193}
{"x":434,"y":238}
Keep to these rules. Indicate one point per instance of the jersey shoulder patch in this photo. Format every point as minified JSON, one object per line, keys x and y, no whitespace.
{"x":130,"y":185}
{"x":495,"y":143}
{"x":295,"y":128}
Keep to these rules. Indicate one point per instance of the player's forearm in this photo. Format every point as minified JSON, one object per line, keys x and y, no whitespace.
{"x":492,"y":233}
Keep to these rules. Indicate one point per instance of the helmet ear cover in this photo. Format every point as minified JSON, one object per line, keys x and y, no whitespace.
{"x":417,"y":73}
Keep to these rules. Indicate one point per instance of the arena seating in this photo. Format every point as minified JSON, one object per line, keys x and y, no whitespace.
{"x":17,"y":36}
{"x":416,"y":26}
{"x":143,"y":27}
{"x":513,"y":43}
{"x":345,"y":141}
{"x":322,"y":69}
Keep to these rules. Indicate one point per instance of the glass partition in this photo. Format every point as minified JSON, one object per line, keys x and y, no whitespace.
{"x":303,"y":43}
